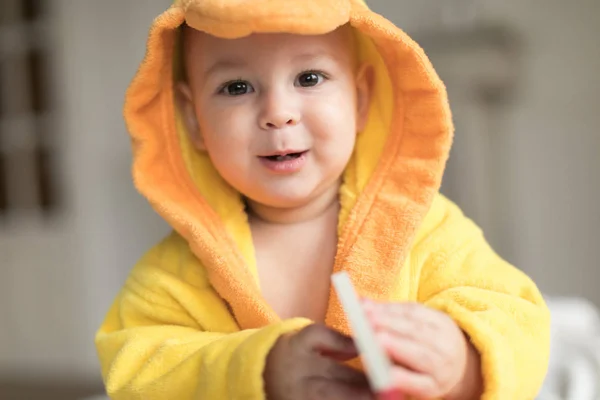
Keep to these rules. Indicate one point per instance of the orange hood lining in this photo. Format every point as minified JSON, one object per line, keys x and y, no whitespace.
{"x":383,"y":219}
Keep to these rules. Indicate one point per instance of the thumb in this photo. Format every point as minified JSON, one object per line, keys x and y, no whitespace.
{"x":319,"y":338}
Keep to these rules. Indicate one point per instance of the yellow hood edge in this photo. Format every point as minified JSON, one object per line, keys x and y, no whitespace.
{"x":389,"y":184}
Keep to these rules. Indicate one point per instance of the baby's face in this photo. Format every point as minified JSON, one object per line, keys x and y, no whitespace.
{"x":278,"y":114}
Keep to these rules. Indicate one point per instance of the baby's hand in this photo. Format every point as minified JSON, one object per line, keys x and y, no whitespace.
{"x":303,"y":366}
{"x":433,"y":357}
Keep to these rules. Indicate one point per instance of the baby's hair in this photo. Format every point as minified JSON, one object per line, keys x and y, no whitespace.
{"x":180,"y":72}
{"x":351,"y":37}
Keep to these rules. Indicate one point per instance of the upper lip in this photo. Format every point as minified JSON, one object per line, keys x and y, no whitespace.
{"x":282,"y":153}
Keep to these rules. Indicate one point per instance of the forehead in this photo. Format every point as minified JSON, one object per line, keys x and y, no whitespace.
{"x":202,"y":49}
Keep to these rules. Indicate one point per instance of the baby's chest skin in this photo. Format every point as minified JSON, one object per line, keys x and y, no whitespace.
{"x":294,"y":267}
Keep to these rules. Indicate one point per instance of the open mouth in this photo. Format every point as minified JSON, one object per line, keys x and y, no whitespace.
{"x":284,"y":157}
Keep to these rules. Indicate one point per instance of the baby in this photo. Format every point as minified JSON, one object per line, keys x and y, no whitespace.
{"x":285,"y":141}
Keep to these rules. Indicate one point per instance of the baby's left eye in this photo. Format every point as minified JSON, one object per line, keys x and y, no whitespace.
{"x":308,"y":79}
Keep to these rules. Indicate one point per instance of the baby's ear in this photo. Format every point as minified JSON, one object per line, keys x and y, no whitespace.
{"x":185,"y":102}
{"x":365,"y":80}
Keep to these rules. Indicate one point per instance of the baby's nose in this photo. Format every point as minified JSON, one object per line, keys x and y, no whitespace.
{"x":278,"y":113}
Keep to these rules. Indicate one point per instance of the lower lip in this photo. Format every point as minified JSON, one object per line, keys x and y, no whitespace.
{"x":286,"y":166}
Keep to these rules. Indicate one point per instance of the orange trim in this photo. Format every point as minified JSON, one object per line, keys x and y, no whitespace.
{"x":398,"y":193}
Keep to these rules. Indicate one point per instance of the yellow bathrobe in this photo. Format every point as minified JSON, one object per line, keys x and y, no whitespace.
{"x":190,"y":321}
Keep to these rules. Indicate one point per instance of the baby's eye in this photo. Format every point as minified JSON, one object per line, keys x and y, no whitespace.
{"x":308,"y":79}
{"x":237,"y":88}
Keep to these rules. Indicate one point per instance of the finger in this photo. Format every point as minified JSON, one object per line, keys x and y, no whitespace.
{"x":415,"y":312}
{"x":421,"y":324}
{"x":325,"y":389}
{"x":408,"y":353}
{"x":318,"y":338}
{"x":416,"y":323}
{"x":368,"y":304}
{"x":337,"y":356}
{"x":415,"y":384}
{"x":412,"y":330}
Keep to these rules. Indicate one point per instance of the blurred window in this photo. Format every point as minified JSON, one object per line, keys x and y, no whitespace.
{"x":27,"y":181}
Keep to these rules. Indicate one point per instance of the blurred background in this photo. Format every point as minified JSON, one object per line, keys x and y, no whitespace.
{"x":524,"y":89}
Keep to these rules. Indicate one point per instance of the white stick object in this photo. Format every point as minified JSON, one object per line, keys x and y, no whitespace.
{"x":376,"y":362}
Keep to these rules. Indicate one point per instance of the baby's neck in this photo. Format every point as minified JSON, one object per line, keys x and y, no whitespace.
{"x":323,"y":205}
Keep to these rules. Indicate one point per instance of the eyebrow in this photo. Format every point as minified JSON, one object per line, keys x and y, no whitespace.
{"x":224,"y":65}
{"x":316,"y":55}
{"x":228,"y":64}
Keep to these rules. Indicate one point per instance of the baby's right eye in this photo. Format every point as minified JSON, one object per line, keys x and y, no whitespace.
{"x":236,"y":88}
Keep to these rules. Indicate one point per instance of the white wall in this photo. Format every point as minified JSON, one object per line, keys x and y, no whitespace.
{"x":62,"y":278}
{"x":555,"y":144}
{"x":548,"y":221}
{"x":102,"y":47}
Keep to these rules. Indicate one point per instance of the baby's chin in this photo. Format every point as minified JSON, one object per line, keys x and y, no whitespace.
{"x":305,"y":200}
{"x":281,"y":200}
